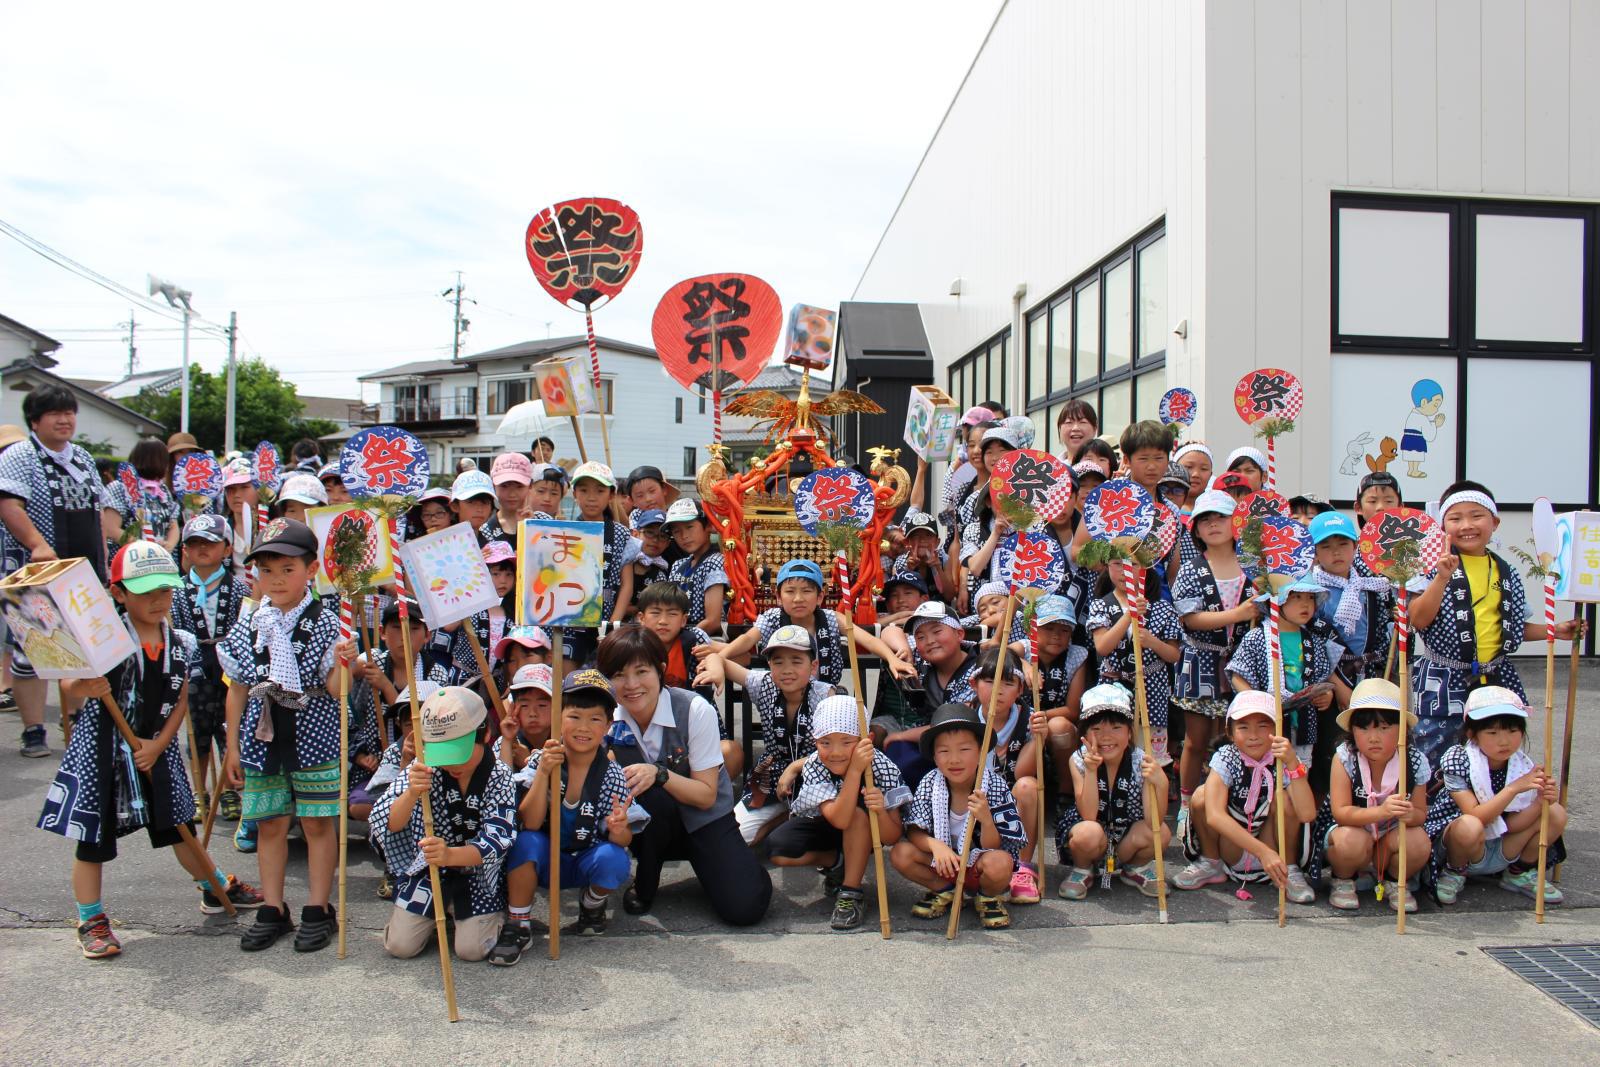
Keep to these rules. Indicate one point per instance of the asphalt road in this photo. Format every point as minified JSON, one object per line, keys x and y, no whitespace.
{"x":1093,"y":981}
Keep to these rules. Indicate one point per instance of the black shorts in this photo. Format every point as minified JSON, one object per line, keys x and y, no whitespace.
{"x":106,"y":851}
{"x":795,"y":837}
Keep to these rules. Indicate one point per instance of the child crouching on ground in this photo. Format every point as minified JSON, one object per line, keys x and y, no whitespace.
{"x":1488,"y":810}
{"x":473,"y":808}
{"x":1104,"y":824}
{"x":1016,"y":757}
{"x":1307,"y":663}
{"x":1233,"y":826}
{"x":930,"y":852}
{"x":828,"y":825}
{"x":593,"y":819}
{"x":1358,"y":829}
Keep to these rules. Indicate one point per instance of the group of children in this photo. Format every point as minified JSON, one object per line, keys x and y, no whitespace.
{"x":238,"y":640}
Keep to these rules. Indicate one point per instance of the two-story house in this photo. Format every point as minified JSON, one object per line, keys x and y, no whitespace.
{"x":456,"y":407}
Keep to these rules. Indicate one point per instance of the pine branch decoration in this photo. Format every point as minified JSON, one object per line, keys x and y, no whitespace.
{"x":347,"y":557}
{"x":1015,"y":512}
{"x":841,"y":537}
{"x":1530,"y":560}
{"x":1274,"y":427}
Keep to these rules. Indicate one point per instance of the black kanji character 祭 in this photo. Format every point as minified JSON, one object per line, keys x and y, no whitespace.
{"x":1267,"y":392}
{"x":721,"y":305}
{"x":1031,"y":480}
{"x":582,"y":245}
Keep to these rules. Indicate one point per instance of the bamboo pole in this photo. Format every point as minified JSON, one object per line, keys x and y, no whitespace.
{"x":1572,"y":706}
{"x":1276,"y":650}
{"x":983,"y":769}
{"x":1134,"y":576}
{"x":557,"y":674}
{"x":1549,"y":737}
{"x":1401,"y":782}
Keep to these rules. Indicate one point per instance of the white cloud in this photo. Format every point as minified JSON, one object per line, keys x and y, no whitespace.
{"x":324,"y":170}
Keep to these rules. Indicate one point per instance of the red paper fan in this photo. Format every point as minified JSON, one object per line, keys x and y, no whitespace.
{"x":1264,"y":502}
{"x":1268,"y":393}
{"x":1038,"y":480}
{"x":584,"y":251}
{"x":740,"y":309}
{"x":1390,"y":527}
{"x":1168,"y":526}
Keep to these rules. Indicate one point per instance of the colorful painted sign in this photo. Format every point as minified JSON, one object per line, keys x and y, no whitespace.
{"x":64,"y":619}
{"x":565,"y":387}
{"x":809,"y":341}
{"x":1578,"y":556}
{"x":1268,"y":393}
{"x":325,"y":521}
{"x":1039,"y":481}
{"x":448,"y":576}
{"x":384,"y":461}
{"x":560,"y":565}
{"x":834,"y":495}
{"x":732,"y":318}
{"x":584,"y":251}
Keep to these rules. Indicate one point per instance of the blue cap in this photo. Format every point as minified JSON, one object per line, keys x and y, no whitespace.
{"x":1333,"y":524}
{"x":1054,"y":609}
{"x":911,"y":578}
{"x":800,"y":568}
{"x":649,"y":517}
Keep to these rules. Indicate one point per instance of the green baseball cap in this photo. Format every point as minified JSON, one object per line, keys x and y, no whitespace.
{"x":143,"y":567}
{"x":451,"y":718}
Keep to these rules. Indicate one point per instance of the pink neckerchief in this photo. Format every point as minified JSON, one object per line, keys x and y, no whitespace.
{"x":1260,"y":776}
{"x":1385,"y":790}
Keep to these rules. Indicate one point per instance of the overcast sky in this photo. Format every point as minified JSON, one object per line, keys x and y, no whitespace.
{"x":325,"y":171}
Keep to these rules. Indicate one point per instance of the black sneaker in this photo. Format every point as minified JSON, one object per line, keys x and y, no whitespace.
{"x":832,"y":877}
{"x":271,"y":923}
{"x":318,"y":926}
{"x":8,"y":701}
{"x":230,"y":807}
{"x":242,"y":895}
{"x":35,"y":742}
{"x":513,"y":940}
{"x":847,"y":910}
{"x":591,"y":923}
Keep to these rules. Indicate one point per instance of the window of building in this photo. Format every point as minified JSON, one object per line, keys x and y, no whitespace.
{"x":688,"y":461}
{"x":1454,"y":319}
{"x":507,"y":393}
{"x":607,"y":395}
{"x":677,"y":410}
{"x":1103,"y":338}
{"x":981,"y":374}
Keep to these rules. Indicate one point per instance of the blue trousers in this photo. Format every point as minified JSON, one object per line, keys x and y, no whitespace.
{"x":603,"y":865}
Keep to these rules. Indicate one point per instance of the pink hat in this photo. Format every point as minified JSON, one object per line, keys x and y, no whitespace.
{"x":511,"y":467}
{"x":1252,"y":702}
{"x":237,"y":474}
{"x":498,"y":552}
{"x":529,"y":637}
{"x":978,"y":415}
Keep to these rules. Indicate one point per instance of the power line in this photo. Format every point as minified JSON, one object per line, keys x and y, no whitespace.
{"x":60,"y":259}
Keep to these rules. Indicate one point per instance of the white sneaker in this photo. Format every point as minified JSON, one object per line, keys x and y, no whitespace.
{"x":1202,"y":872}
{"x":1300,"y":891}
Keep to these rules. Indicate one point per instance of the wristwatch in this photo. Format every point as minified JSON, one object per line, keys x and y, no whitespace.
{"x":661,"y":776}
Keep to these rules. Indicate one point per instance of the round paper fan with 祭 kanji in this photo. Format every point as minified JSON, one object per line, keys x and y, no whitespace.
{"x":732,"y":319}
{"x":834,"y":496}
{"x":1119,"y":509}
{"x":1032,"y":562}
{"x":584,"y":251}
{"x":1178,"y":406}
{"x":1385,"y":533}
{"x":1262,"y":503}
{"x":384,"y":461}
{"x":1268,"y":393}
{"x":1038,"y":481}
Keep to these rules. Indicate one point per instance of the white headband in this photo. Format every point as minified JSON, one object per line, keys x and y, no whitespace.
{"x":1193,"y":446}
{"x":1246,"y":452}
{"x":1467,"y":496}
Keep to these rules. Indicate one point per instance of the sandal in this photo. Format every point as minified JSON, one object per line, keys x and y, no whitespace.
{"x":317,"y":929}
{"x":271,"y":923}
{"x":935,"y":903}
{"x":992,"y":912}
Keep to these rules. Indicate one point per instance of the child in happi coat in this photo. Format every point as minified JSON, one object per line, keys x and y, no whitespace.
{"x":903,"y":593}
{"x":297,"y":495}
{"x":474,"y":805}
{"x":511,"y":473}
{"x":923,"y":555}
{"x":828,"y":825}
{"x":104,"y":789}
{"x":1104,"y":824}
{"x":961,"y":787}
{"x":1211,"y":598}
{"x":1016,"y":756}
{"x":785,"y":696}
{"x":1232,"y":829}
{"x":1358,"y":829}
{"x":701,"y":573}
{"x":990,"y":615}
{"x":945,"y":664}
{"x":1307,"y":662}
{"x":378,"y":677}
{"x":664,"y":611}
{"x":396,"y":757}
{"x":592,"y":822}
{"x":651,"y":565}
{"x":526,"y":726}
{"x":283,"y":730}
{"x":1487,"y":813}
{"x":1249,"y":463}
{"x":154,"y":506}
{"x":1472,"y":614}
{"x":593,"y":489}
{"x":982,"y":527}
{"x":800,"y":587}
{"x":1160,"y":637}
{"x":206,"y":606}
{"x":491,"y":624}
{"x":1062,"y":679}
{"x":472,"y":497}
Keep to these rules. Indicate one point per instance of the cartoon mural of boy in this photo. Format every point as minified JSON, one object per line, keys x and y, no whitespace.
{"x":1422,"y":425}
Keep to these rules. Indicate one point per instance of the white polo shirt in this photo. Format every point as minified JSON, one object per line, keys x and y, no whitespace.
{"x":705,"y":740}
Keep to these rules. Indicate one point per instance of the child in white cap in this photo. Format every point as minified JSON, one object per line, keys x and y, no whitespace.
{"x":1488,"y":811}
{"x":1104,"y":824}
{"x":1358,"y":829}
{"x":1232,"y":829}
{"x":828,"y":826}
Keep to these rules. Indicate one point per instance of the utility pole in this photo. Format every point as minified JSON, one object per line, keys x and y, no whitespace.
{"x":133,"y":353}
{"x":461,"y":324}
{"x":233,"y":334}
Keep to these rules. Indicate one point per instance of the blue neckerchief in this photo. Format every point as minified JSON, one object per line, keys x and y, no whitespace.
{"x":205,"y":590}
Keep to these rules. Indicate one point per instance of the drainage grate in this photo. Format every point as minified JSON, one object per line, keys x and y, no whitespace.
{"x":1569,"y":974}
